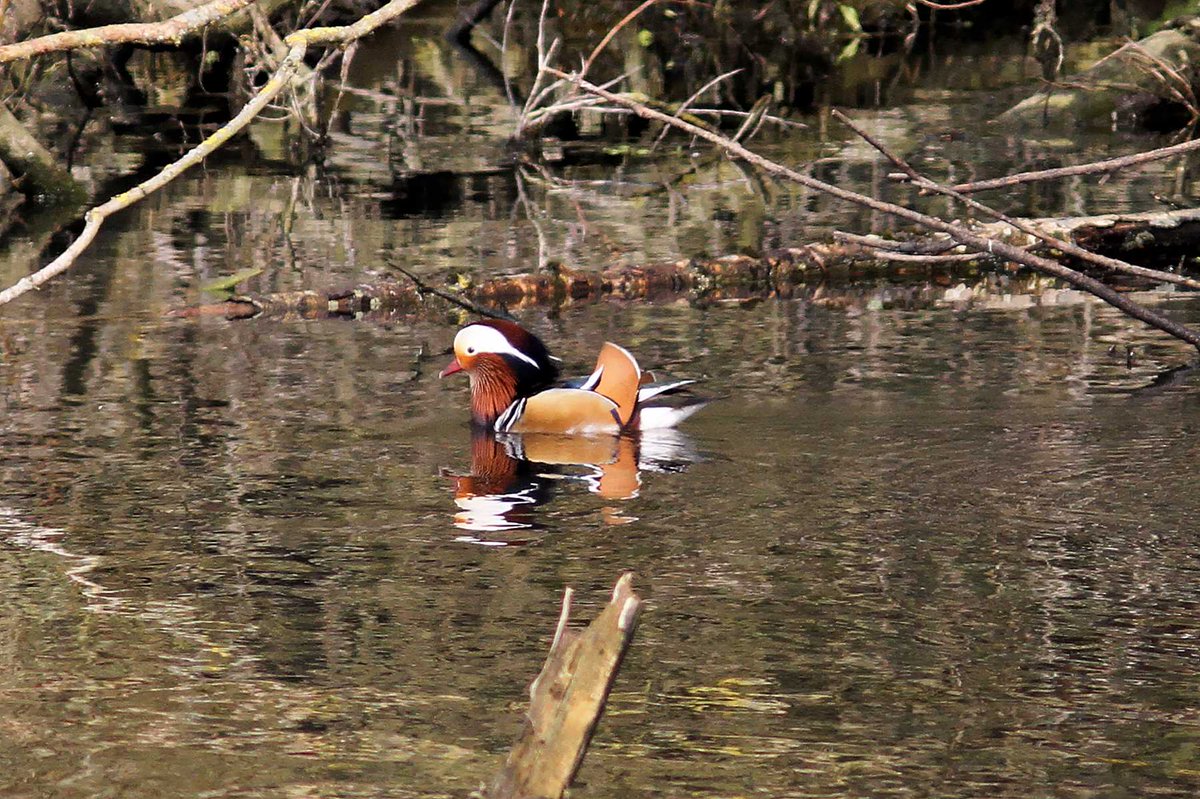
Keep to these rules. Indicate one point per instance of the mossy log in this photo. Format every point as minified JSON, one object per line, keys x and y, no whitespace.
{"x":39,"y":172}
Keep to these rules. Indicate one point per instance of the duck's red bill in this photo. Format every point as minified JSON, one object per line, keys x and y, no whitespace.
{"x":451,"y":368}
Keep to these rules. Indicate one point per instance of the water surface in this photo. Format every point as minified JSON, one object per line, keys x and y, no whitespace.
{"x":920,"y":545}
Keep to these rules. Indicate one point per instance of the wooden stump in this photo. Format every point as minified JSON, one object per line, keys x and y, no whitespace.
{"x":567,"y":699}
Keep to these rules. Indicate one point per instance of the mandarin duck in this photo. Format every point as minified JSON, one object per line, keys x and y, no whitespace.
{"x":513,"y":387}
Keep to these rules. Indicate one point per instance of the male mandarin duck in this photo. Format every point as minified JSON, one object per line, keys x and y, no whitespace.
{"x":513,"y":390}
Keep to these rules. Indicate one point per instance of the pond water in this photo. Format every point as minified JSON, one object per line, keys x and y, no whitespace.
{"x":916,"y":546}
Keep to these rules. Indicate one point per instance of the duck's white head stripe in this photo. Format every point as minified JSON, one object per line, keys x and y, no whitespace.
{"x":476,"y":339}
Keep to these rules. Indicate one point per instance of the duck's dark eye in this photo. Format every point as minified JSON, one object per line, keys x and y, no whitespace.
{"x":470,"y":350}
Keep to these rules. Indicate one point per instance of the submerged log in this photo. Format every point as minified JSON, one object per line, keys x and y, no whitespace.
{"x":567,"y":699}
{"x":1159,"y":237}
{"x":777,"y":272}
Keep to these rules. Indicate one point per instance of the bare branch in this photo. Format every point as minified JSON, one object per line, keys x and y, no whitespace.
{"x":1067,"y":247}
{"x":956,"y":232}
{"x":298,"y":44}
{"x":1107,"y":165}
{"x":171,"y":31}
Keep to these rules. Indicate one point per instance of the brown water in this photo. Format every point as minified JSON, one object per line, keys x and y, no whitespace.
{"x":919,"y":546}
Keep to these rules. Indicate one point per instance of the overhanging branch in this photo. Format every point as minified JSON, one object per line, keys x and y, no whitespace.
{"x":298,"y":44}
{"x":171,"y":31}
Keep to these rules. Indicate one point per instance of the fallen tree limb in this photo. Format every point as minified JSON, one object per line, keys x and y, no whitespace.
{"x":956,"y":232}
{"x":1093,"y":168}
{"x":171,"y":31}
{"x":781,"y":272}
{"x":1066,"y":247}
{"x":298,"y":44}
{"x":733,"y":276}
{"x":567,"y":698}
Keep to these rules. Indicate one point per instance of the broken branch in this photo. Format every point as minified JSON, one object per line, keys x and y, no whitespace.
{"x":568,"y":697}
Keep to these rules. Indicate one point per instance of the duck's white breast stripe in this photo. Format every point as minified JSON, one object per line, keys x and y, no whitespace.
{"x":510,"y":416}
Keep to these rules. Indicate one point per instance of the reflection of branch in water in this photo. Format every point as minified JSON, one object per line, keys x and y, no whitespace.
{"x":483,"y":65}
{"x":531,"y":215}
{"x":1175,"y":376}
{"x":46,"y":539}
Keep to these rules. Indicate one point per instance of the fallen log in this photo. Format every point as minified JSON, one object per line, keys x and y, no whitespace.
{"x":1156,"y":236}
{"x":713,"y":278}
{"x":567,"y":699}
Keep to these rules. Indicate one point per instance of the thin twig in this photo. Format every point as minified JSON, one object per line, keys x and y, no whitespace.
{"x":695,"y":96}
{"x":608,"y":37}
{"x":508,"y":87}
{"x":1095,"y":167}
{"x":957,"y":232}
{"x":724,"y":112}
{"x":425,"y":288}
{"x":904,"y":257}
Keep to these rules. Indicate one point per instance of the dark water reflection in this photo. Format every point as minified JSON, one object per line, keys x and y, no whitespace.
{"x":912,"y":553}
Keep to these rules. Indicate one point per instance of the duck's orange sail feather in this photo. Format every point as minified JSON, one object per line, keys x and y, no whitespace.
{"x":620,"y":377}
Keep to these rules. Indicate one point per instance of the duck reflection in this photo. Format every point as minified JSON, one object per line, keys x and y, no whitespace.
{"x":513,"y":474}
